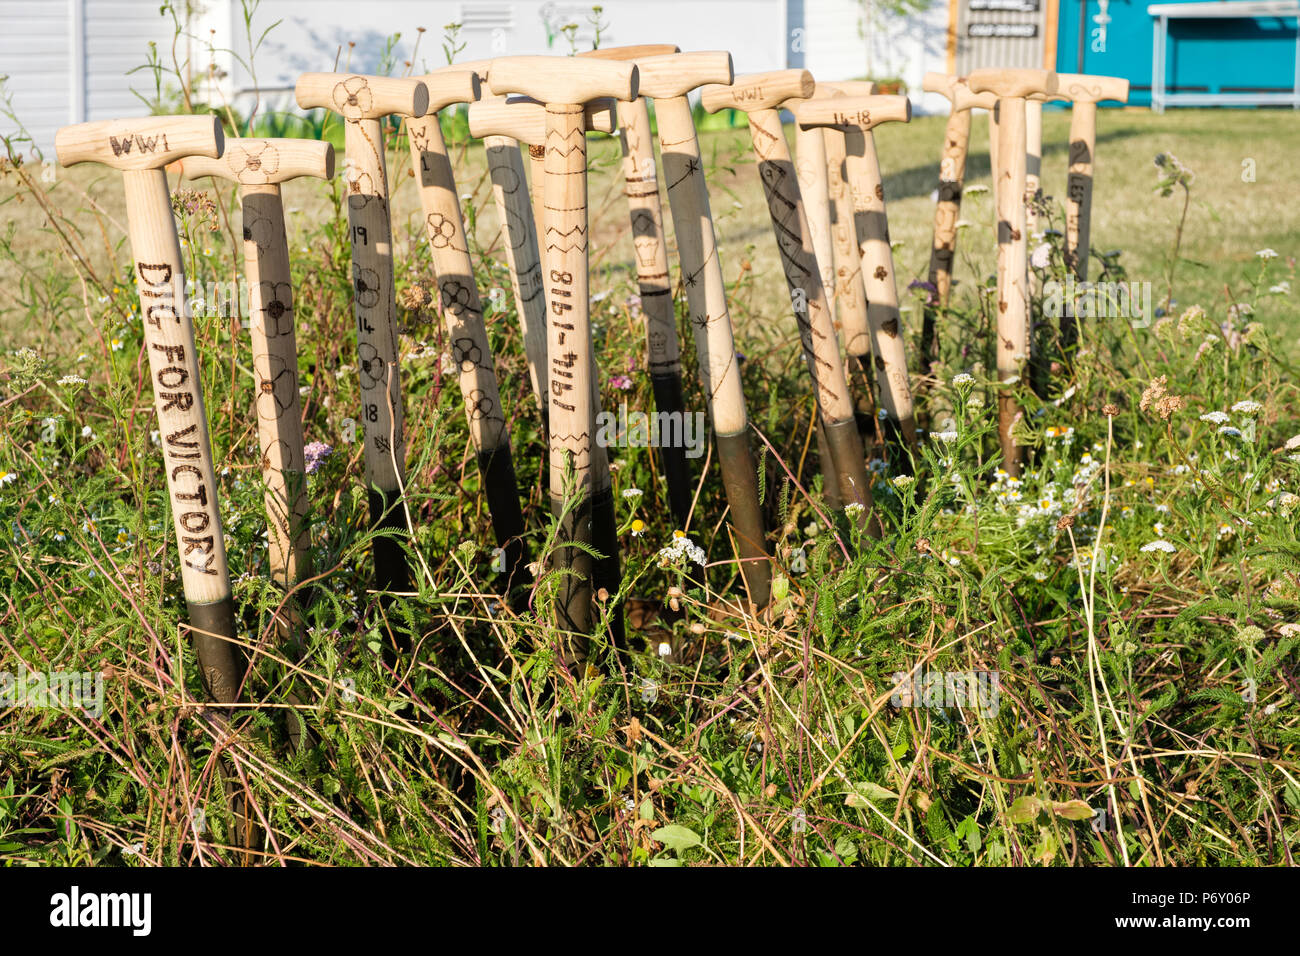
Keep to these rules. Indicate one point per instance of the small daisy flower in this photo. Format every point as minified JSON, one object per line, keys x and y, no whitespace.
{"x":638,"y":528}
{"x":665,"y":649}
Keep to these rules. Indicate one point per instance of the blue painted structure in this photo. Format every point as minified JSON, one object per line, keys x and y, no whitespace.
{"x":1210,"y":56}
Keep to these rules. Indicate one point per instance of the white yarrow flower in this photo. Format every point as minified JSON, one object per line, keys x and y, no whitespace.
{"x":1159,"y":545}
{"x":1248,"y":407}
{"x":962,"y":379}
{"x":1216,"y":418}
{"x":1266,"y":254}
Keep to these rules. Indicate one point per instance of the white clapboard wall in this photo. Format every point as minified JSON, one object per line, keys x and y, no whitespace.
{"x":67,"y":61}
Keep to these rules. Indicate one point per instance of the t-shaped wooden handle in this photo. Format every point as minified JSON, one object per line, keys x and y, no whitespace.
{"x":563,"y":80}
{"x":357,"y":97}
{"x":635,"y":51}
{"x":864,"y":112}
{"x":664,"y":77}
{"x":1085,"y":88}
{"x":758,"y":91}
{"x":449,"y":86}
{"x":849,"y":87}
{"x":524,"y":119}
{"x":264,"y":162}
{"x":958,"y":92}
{"x":149,"y":142}
{"x":1011,"y":84}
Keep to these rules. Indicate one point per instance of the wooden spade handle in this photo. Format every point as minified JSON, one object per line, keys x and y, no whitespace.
{"x":375,"y":305}
{"x":569,"y":349}
{"x":1086,"y":88}
{"x":510,"y":191}
{"x":149,"y":142}
{"x":814,"y":186}
{"x":952,"y":173}
{"x":862,"y":112}
{"x":1033,"y":161}
{"x":451,"y":85}
{"x":850,"y":292}
{"x":649,"y":246}
{"x":182,"y":423}
{"x":459,"y":294}
{"x":260,"y":162}
{"x":668,"y":77}
{"x":816,"y":329}
{"x":275,"y":365}
{"x":636,"y":52}
{"x":524,"y":119}
{"x":878,"y":277}
{"x":1011,"y":83}
{"x":758,"y":91}
{"x":1078,"y":190}
{"x":556,"y":80}
{"x":1013,"y":262}
{"x":356,"y":97}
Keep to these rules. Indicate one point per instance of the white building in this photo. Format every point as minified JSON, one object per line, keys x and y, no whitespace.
{"x":69,"y":61}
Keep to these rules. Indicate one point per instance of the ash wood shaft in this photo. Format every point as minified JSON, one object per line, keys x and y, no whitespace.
{"x":275,"y":365}
{"x":952,"y":173}
{"x":510,"y":192}
{"x":182,"y":420}
{"x":459,"y":295}
{"x":362,"y":101}
{"x":878,"y":277}
{"x":1033,"y":162}
{"x":814,"y":185}
{"x":259,"y":166}
{"x":995,"y":141}
{"x":140,"y":148}
{"x":706,"y":297}
{"x":1084,"y":91}
{"x":1012,"y":86}
{"x":850,"y":292}
{"x":569,"y":349}
{"x":816,"y":329}
{"x":1078,"y":191}
{"x":1013,"y":262}
{"x":651,"y":249}
{"x":470,"y":349}
{"x":375,"y":305}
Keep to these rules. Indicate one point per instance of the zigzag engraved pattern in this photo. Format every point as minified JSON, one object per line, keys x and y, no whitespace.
{"x":563,"y":144}
{"x":574,"y":240}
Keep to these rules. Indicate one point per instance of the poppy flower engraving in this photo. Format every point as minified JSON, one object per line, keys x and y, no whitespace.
{"x":466,"y":353}
{"x":277,"y":387}
{"x":276,"y":454}
{"x":442,"y":231}
{"x":479,"y":405}
{"x":366,"y":283}
{"x":353,"y":99}
{"x":260,"y":231}
{"x":253,"y":165}
{"x":276,"y":307}
{"x":370,"y":365}
{"x":455,"y":296}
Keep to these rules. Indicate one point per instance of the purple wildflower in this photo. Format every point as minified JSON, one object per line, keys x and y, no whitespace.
{"x":316,"y":454}
{"x":621,"y":382}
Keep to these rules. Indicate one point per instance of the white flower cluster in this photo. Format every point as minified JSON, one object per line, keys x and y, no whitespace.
{"x":1159,"y":545}
{"x":682,"y":547}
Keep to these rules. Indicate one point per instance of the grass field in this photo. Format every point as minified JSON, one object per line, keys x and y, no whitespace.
{"x":1128,"y":613}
